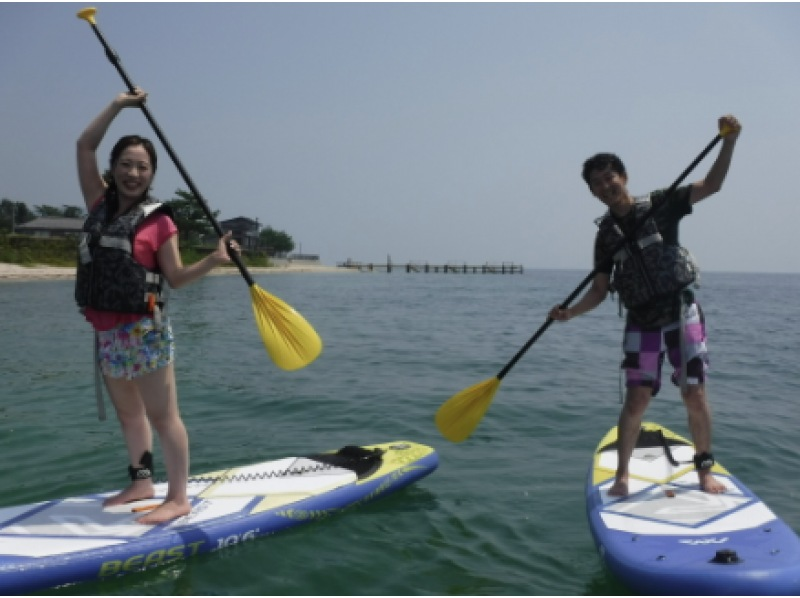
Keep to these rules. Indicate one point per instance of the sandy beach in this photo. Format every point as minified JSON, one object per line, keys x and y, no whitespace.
{"x":14,"y":272}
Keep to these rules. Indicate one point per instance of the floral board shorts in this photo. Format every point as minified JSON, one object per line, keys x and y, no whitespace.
{"x":135,"y":349}
{"x":644,"y":350}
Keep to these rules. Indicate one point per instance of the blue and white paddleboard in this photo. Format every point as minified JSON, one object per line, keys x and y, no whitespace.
{"x":668,"y":537}
{"x":70,"y":540}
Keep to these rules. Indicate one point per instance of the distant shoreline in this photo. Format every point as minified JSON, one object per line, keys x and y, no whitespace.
{"x":15,"y":272}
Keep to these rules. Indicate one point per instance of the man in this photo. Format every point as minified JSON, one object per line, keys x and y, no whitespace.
{"x":652,"y":274}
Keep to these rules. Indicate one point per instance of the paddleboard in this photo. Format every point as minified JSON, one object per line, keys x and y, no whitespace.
{"x":70,"y":540}
{"x":668,"y":537}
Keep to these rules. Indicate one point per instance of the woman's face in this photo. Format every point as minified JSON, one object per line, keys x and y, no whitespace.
{"x":133,"y":172}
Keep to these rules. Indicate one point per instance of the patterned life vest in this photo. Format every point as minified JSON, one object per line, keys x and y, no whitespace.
{"x":645,"y":268}
{"x":108,"y":276}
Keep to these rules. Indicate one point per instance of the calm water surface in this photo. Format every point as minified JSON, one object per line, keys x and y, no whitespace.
{"x":503,"y":514}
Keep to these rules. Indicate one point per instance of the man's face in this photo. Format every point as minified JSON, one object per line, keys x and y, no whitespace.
{"x":609,"y":187}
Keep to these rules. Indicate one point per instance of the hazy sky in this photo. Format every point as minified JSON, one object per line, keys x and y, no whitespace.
{"x":428,"y":132}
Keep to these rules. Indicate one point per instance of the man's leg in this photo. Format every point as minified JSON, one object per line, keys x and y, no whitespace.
{"x":630,"y":422}
{"x":691,"y":352}
{"x":642,"y":365}
{"x":699,"y":412}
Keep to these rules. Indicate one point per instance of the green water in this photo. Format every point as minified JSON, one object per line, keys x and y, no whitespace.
{"x":503,"y":514}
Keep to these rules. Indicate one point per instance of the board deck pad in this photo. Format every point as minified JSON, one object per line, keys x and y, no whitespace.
{"x":76,"y":539}
{"x":670,"y":537}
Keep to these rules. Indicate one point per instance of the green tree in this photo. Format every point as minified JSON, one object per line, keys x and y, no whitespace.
{"x":73,"y":212}
{"x":45,"y":211}
{"x":190,"y":218}
{"x":12,"y":214}
{"x":64,"y":211}
{"x":276,"y":241}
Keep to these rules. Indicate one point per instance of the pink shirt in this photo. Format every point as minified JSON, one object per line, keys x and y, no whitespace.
{"x":152,"y":233}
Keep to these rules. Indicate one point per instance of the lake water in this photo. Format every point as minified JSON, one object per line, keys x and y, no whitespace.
{"x":504,"y":513}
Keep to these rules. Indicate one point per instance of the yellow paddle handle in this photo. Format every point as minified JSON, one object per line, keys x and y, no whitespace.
{"x":87,"y":14}
{"x":726,"y":129}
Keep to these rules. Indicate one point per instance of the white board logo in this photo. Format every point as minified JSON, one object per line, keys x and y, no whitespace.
{"x":704,"y":541}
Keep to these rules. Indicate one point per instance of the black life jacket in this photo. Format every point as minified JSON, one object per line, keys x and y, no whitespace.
{"x":108,"y":276}
{"x":645,"y":268}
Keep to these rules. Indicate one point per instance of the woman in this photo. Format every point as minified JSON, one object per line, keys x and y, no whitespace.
{"x":135,"y":343}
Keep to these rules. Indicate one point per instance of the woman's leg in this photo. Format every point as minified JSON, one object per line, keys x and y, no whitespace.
{"x":160,"y":398}
{"x":136,"y":431}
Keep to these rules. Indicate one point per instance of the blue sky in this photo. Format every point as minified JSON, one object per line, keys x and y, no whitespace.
{"x":428,"y":132}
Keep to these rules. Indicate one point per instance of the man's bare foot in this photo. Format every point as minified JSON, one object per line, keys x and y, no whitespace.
{"x":709,"y":483}
{"x":619,"y":488}
{"x":136,"y":491}
{"x":166,"y":511}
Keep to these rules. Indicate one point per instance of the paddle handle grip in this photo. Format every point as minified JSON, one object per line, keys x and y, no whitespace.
{"x":87,"y":14}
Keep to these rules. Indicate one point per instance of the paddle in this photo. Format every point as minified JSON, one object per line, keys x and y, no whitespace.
{"x":290,"y":340}
{"x":458,"y":417}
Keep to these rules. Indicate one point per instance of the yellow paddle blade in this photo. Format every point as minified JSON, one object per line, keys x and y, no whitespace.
{"x":290,"y":341}
{"x":458,"y":417}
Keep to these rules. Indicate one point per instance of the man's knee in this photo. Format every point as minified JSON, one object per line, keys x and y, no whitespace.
{"x":694,"y":392}
{"x":694,"y":396}
{"x":638,"y":398}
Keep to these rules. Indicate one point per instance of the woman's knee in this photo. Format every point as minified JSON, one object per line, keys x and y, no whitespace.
{"x":126,"y":399}
{"x":166,"y":421}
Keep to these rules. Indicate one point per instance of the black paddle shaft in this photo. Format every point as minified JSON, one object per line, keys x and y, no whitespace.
{"x":607,"y":261}
{"x":114,"y":58}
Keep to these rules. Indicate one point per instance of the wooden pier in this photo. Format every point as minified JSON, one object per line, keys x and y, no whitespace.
{"x":502,"y":268}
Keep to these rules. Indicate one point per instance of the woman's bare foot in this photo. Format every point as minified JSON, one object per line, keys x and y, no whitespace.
{"x":709,"y":483}
{"x":166,"y":511}
{"x":136,"y":491}
{"x":619,"y":488}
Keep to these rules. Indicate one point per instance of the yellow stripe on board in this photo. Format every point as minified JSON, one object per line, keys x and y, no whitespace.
{"x":398,"y":454}
{"x":602,"y":473}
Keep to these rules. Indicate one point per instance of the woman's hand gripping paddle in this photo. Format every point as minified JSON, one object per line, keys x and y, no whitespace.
{"x":458,"y":417}
{"x":290,"y":340}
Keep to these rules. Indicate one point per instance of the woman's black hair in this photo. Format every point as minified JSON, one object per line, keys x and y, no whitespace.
{"x":129,"y":140}
{"x":119,"y":147}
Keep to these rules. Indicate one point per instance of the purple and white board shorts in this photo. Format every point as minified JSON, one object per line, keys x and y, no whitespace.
{"x":644,"y":350}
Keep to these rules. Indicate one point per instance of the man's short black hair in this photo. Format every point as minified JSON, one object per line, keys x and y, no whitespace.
{"x":601,"y":162}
